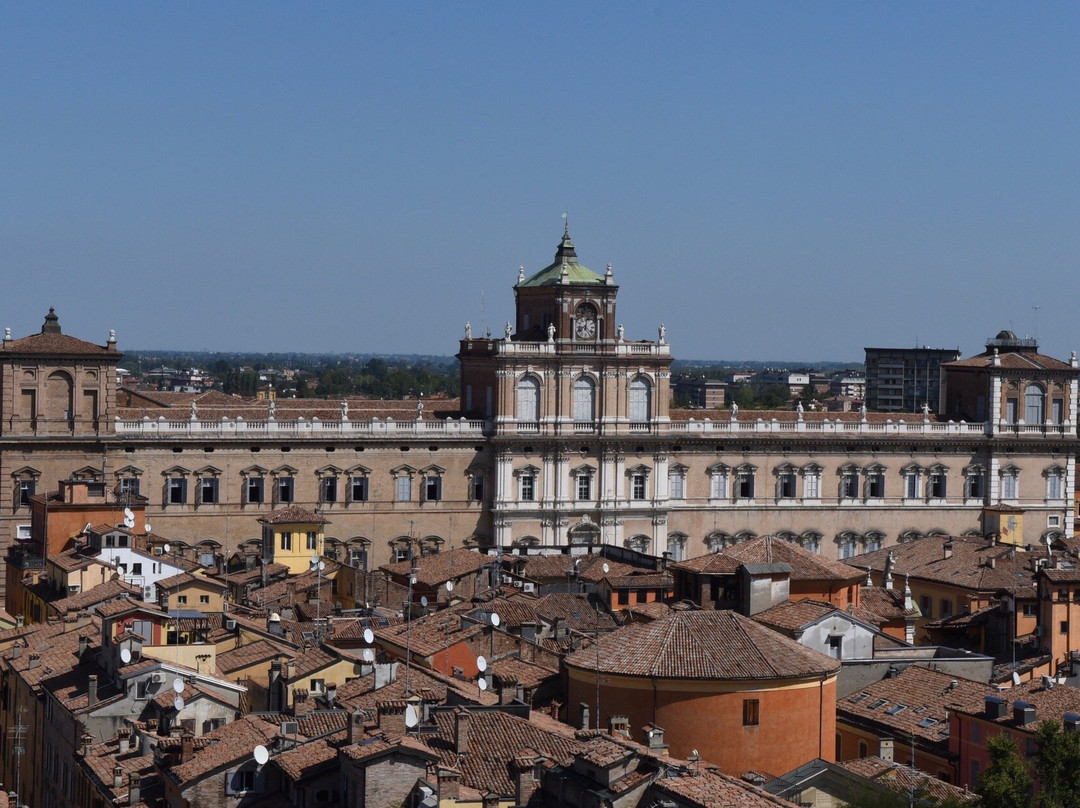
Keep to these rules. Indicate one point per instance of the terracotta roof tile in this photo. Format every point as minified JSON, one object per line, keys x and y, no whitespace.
{"x":805,"y":565}
{"x":294,"y":514}
{"x":438,"y":568}
{"x":703,"y":645}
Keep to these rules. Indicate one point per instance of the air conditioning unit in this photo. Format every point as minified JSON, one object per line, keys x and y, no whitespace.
{"x":158,"y":677}
{"x":73,"y":589}
{"x":517,"y":583}
{"x":528,"y":586}
{"x":230,"y":625}
{"x":290,"y":728}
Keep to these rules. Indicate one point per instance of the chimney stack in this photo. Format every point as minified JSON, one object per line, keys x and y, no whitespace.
{"x":654,"y":739}
{"x":91,"y":690}
{"x":449,"y":784}
{"x":583,"y":711}
{"x":125,"y":741}
{"x":524,"y":768}
{"x":187,"y":747}
{"x":135,"y":789}
{"x":117,"y":776}
{"x":461,"y":730}
{"x":356,"y":727}
{"x":885,"y":749}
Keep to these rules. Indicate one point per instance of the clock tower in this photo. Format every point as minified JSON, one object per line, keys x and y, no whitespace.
{"x":568,"y":395}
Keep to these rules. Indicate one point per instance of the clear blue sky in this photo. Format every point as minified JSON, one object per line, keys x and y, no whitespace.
{"x":773,"y":181}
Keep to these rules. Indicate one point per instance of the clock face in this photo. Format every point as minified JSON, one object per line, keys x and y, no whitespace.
{"x":586,"y":328}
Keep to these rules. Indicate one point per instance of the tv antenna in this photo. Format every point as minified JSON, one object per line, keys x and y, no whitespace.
{"x":18,"y":733}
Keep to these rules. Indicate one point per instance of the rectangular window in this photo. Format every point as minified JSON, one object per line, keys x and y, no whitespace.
{"x":204,"y":599}
{"x":744,"y":485}
{"x":528,"y":488}
{"x":403,"y":488}
{"x":638,"y":486}
{"x":1031,"y":610}
{"x":328,"y":489}
{"x":624,"y":597}
{"x":136,"y":568}
{"x":208,"y":490}
{"x":1064,"y":626}
{"x":1057,"y":411}
{"x":476,"y":489}
{"x":285,"y":489}
{"x":182,"y":599}
{"x":27,"y":489}
{"x":812,"y":485}
{"x":836,"y":647}
{"x":785,"y":488}
{"x":718,"y":485}
{"x":358,"y":489}
{"x":286,"y":540}
{"x":911,"y":485}
{"x":432,"y":488}
{"x":751,"y":715}
{"x":875,"y":485}
{"x":312,"y":540}
{"x":176,"y":491}
{"x":1053,"y":485}
{"x":849,"y":485}
{"x":976,"y":485}
{"x":253,"y":490}
{"x":677,"y":485}
{"x":946,"y":608}
{"x":926,"y":606}
{"x":1012,"y":410}
{"x":1008,"y":485}
{"x":128,"y":485}
{"x":937,"y":485}
{"x":584,"y":487}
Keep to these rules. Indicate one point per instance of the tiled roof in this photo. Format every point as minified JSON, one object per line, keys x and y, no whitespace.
{"x":105,"y":757}
{"x":703,"y":645}
{"x":111,"y":608}
{"x":879,"y":606}
{"x":805,"y":565}
{"x":556,"y":568}
{"x":968,"y":565}
{"x":791,"y":616}
{"x":251,"y":654}
{"x":185,"y":578}
{"x":512,"y":670}
{"x":657,"y":580}
{"x":1011,"y":360}
{"x":1049,"y":703}
{"x":294,"y":514}
{"x":915,"y":702}
{"x":438,"y":568}
{"x":432,"y":633}
{"x":360,"y":693}
{"x":95,"y":595}
{"x":56,"y":344}
{"x":648,"y":611}
{"x":308,"y":758}
{"x":900,"y":778}
{"x":495,"y":739}
{"x":225,"y":745}
{"x":713,"y":789}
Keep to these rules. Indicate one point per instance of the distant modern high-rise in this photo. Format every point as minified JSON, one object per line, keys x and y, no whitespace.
{"x":903,"y":379}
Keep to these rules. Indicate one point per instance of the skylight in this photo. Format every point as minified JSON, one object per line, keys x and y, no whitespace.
{"x":927,"y":722}
{"x":879,"y":703}
{"x":899,"y":708}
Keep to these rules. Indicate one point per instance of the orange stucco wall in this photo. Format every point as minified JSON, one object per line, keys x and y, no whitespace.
{"x":797,"y":718}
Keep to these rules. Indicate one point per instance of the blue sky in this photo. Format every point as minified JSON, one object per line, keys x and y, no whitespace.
{"x":773,"y":181}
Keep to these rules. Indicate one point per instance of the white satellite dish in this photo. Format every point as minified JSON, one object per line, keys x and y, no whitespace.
{"x":125,"y":655}
{"x":147,"y":529}
{"x":166,"y":547}
{"x":482,"y":684}
{"x":128,"y":513}
{"x":423,"y":601}
{"x":495,"y":619}
{"x":262,"y":755}
{"x":481,"y":664}
{"x":178,"y":685}
{"x":178,"y":703}
{"x":322,"y":566}
{"x":314,"y":559}
{"x":369,"y":655}
{"x":1016,"y":678}
{"x":410,"y":717}
{"x":449,"y":586}
{"x":606,"y":568}
{"x":369,"y":636}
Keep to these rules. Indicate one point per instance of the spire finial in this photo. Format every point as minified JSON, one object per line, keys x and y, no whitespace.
{"x":566,"y":225}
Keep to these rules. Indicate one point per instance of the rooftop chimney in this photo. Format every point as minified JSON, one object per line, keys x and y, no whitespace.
{"x":124,"y":738}
{"x":117,"y":776}
{"x":135,"y":789}
{"x":187,"y":747}
{"x":885,"y":749}
{"x":583,"y":711}
{"x":461,"y":730}
{"x":356,"y":727}
{"x":654,"y":739}
{"x":449,"y":784}
{"x":946,"y":550}
{"x":91,"y":689}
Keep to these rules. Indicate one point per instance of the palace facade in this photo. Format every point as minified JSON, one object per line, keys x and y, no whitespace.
{"x":563,"y":435}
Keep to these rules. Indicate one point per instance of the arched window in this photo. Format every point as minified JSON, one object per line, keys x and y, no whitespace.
{"x":584,"y":399}
{"x":1034,"y":404}
{"x":640,"y":400}
{"x":811,"y":540}
{"x":528,"y":400}
{"x":718,"y":541}
{"x":676,"y":546}
{"x":638,"y":543}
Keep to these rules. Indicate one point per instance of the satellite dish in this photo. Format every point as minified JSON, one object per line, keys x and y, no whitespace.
{"x":125,"y":655}
{"x":261,"y":754}
{"x":178,"y":685}
{"x":495,"y":619}
{"x":314,"y":559}
{"x":369,"y":655}
{"x":606,"y":568}
{"x":449,"y":586}
{"x":423,"y":601}
{"x":482,"y":684}
{"x":148,"y":529}
{"x":481,"y":664}
{"x":322,"y":566}
{"x":129,"y":518}
{"x":369,"y":636}
{"x":1049,"y":539}
{"x":166,"y":548}
{"x":410,"y":717}
{"x":1016,"y":678}
{"x":178,"y":703}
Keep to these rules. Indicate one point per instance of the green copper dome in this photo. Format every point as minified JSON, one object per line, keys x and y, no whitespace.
{"x":552,"y":275}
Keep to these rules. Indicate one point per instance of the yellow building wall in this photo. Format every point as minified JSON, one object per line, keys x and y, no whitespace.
{"x":297,"y":557}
